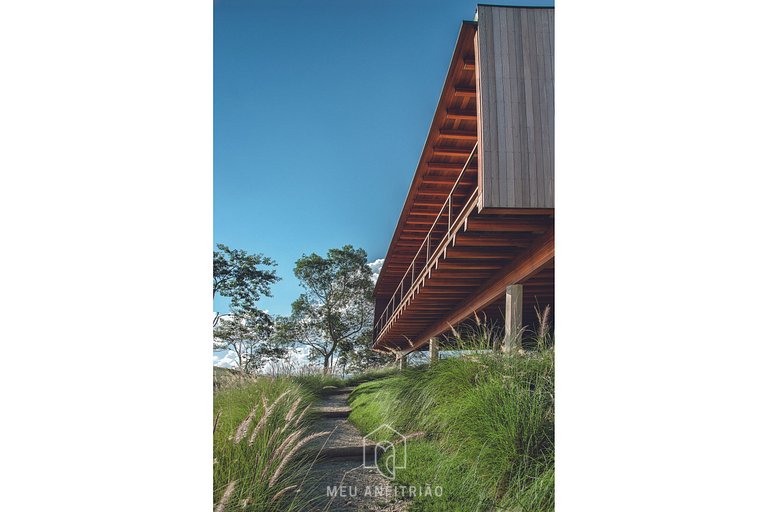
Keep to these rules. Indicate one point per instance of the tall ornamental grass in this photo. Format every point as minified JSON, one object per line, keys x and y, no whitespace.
{"x":260,"y":429}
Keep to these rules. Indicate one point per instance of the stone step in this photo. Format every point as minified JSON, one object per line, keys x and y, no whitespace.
{"x":333,"y":390}
{"x":344,"y":453}
{"x":332,"y":412}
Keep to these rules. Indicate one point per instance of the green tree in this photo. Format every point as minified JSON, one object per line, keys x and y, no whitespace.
{"x":249,"y":335}
{"x":358,"y":355}
{"x":242,"y":277}
{"x":336,"y":306}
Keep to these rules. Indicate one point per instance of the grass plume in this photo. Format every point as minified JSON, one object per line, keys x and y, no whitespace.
{"x":225,"y":496}
{"x":263,"y":478}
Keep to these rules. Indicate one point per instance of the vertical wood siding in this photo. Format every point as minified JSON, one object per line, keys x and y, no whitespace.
{"x":515,"y":75}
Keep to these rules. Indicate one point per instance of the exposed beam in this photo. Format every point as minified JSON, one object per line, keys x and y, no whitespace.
{"x":445,"y":281}
{"x":416,"y":210}
{"x":464,"y":91}
{"x":489,"y":253}
{"x":517,"y":211}
{"x":458,"y":134}
{"x":433,"y":189}
{"x":464,"y":115}
{"x":442,"y":295}
{"x":509,"y":225}
{"x":525,"y":265}
{"x":437,"y":150}
{"x":489,"y":242}
{"x":448,"y":166}
{"x":482,"y":237}
{"x":467,"y":265}
{"x":422,"y":202}
{"x":426,"y":221}
{"x":452,"y":274}
{"x":440,"y":180}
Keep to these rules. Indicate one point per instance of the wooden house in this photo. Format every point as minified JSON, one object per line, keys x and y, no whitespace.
{"x":476,"y":232}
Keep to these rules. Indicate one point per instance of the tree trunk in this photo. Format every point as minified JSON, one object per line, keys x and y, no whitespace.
{"x":326,"y":363}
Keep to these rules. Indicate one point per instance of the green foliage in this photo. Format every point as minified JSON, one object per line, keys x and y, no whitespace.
{"x":249,"y":335}
{"x":240,"y":276}
{"x":244,"y":278}
{"x":488,"y":429}
{"x":358,"y":355}
{"x":336,"y":306}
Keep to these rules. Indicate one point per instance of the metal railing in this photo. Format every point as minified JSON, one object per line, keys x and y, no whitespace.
{"x":440,"y":230}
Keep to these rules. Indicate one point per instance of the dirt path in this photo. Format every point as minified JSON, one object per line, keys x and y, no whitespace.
{"x":340,"y":465}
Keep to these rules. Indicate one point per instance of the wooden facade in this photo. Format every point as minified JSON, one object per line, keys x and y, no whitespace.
{"x":479,"y":215}
{"x":516,"y":89}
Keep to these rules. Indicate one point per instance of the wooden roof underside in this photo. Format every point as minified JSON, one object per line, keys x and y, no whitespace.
{"x":451,"y":137}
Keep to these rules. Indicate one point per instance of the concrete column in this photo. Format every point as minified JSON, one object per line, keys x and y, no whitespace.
{"x":404,"y":361}
{"x":434,"y":351}
{"x":513,"y":319}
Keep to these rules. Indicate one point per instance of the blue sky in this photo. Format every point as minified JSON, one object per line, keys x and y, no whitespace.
{"x":321,"y":109}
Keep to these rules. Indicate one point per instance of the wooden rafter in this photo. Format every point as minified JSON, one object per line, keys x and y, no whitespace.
{"x":465,"y":114}
{"x":462,"y":152}
{"x":458,"y":135}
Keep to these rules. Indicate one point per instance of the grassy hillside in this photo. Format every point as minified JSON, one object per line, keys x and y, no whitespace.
{"x":482,"y":426}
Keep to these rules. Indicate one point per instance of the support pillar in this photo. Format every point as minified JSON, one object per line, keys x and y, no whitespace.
{"x":434,"y":350}
{"x":403,"y":361}
{"x":513,"y":319}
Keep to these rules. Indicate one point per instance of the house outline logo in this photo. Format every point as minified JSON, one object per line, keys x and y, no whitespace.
{"x":386,"y":450}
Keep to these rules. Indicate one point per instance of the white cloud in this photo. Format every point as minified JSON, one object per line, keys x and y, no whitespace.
{"x":297,"y":360}
{"x":376,"y":268}
{"x":225,"y":359}
{"x":298,"y":357}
